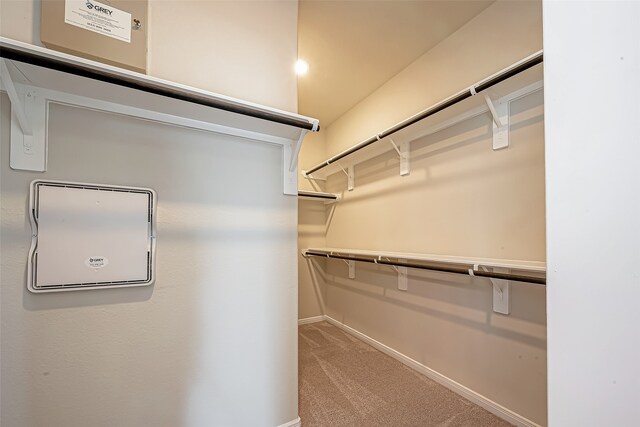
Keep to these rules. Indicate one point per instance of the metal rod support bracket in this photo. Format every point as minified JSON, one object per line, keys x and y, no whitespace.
{"x":350,"y":176}
{"x":352,"y":269}
{"x":405,"y":155}
{"x":395,"y":147}
{"x":17,"y":105}
{"x":28,"y":124}
{"x":501,"y":291}
{"x":403,"y":274}
{"x":403,"y":277}
{"x":296,"y":151}
{"x":500,"y":115}
{"x":289,"y":178}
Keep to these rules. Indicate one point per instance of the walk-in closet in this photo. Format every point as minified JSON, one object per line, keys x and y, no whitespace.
{"x":310,"y":213}
{"x":426,"y":239}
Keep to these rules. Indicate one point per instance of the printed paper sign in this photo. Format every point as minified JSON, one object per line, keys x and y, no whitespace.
{"x":99,"y":18}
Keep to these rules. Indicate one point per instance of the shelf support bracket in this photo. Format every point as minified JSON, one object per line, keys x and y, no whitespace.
{"x":500,"y":115}
{"x":403,"y":278}
{"x":17,"y":106}
{"x":352,"y":268}
{"x":296,"y":151}
{"x":501,"y":288}
{"x":403,"y":274}
{"x":350,"y":176}
{"x":28,"y":124}
{"x":501,"y":291}
{"x":395,"y":147}
{"x":289,"y":178}
{"x":404,"y":155}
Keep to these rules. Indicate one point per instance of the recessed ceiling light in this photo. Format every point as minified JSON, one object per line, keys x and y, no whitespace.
{"x":301,"y":67}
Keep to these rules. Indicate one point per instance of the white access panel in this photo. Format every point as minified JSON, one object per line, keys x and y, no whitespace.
{"x":90,"y":236}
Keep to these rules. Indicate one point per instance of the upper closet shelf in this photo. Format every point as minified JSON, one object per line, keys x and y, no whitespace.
{"x":35,"y":77}
{"x":490,"y":96}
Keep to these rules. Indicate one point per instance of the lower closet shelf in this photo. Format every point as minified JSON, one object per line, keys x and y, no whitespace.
{"x":318,"y":196}
{"x":516,"y":270}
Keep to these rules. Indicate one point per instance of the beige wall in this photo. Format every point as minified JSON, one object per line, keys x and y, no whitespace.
{"x":20,"y":20}
{"x":214,"y":45}
{"x":243,"y":49}
{"x":213,"y":342}
{"x":461,"y":198}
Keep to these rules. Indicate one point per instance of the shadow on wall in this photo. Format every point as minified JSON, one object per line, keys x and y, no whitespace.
{"x":463,"y":300}
{"x":524,"y":112}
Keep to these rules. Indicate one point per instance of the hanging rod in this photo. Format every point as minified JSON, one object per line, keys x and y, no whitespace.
{"x":46,"y":58}
{"x":485,"y":84}
{"x":318,"y":195}
{"x":457,"y":268}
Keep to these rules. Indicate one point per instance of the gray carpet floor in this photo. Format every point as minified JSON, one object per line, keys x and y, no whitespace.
{"x":345,"y":382}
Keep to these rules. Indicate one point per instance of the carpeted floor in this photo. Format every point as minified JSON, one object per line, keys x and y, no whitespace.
{"x":345,"y":382}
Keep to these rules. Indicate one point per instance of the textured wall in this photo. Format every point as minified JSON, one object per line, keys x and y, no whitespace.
{"x":214,"y":335}
{"x":245,"y":49}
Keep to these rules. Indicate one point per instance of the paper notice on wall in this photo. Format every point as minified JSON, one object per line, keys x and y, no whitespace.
{"x":99,"y":18}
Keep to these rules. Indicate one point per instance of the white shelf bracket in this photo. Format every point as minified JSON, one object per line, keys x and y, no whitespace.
{"x":352,"y":268}
{"x":395,"y":147}
{"x":289,"y":177}
{"x":296,"y":151}
{"x":403,"y":154}
{"x":350,"y":176}
{"x":405,"y":157}
{"x":501,"y":288}
{"x":500,"y":115}
{"x":17,"y":104}
{"x":28,"y":124}
{"x":403,"y":275}
{"x":403,"y":278}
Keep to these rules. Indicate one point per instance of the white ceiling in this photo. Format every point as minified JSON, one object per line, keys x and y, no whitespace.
{"x":355,"y":46}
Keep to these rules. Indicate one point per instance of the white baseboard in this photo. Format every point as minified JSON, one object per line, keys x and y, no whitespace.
{"x":292,"y":423}
{"x":308,"y":320}
{"x":477,"y":398}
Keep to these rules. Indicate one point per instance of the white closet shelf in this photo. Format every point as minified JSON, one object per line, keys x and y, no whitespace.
{"x":46,"y":68}
{"x":318,"y":196}
{"x":513,"y":82}
{"x":35,"y":77}
{"x":527,"y":271}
